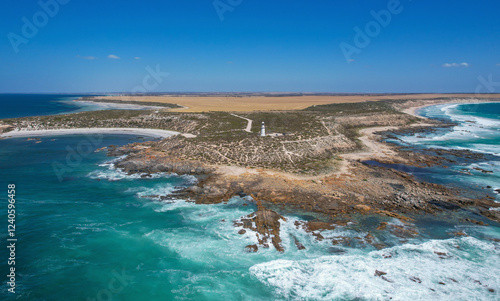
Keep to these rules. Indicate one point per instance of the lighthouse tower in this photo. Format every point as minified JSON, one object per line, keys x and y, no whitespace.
{"x":263,"y":130}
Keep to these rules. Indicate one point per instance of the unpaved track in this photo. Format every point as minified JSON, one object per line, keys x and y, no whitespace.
{"x":249,"y":124}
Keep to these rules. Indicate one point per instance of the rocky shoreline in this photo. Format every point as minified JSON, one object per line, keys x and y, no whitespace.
{"x":330,"y":162}
{"x":334,"y":199}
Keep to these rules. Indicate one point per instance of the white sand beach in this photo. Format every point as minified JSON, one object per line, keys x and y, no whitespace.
{"x":83,"y":131}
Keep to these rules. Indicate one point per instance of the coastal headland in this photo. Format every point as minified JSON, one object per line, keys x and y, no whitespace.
{"x":316,"y":158}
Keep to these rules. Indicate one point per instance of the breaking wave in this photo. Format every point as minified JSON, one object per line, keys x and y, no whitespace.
{"x":463,"y":268}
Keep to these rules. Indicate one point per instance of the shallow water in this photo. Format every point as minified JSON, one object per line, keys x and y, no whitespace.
{"x":477,"y":129}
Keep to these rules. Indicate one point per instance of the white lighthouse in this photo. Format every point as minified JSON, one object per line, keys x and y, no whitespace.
{"x":263,"y":130}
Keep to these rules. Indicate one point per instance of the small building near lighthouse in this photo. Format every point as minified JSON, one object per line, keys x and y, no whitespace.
{"x":263,"y":130}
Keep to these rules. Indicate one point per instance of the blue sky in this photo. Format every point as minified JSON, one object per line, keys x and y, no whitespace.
{"x":273,"y":45}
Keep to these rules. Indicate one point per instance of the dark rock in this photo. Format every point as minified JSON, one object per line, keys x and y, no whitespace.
{"x":379,"y":273}
{"x":382,"y":226}
{"x":444,"y":205}
{"x":298,"y":244}
{"x":317,"y":225}
{"x":397,"y":186}
{"x":369,"y":238}
{"x":318,"y":235}
{"x":482,"y":170}
{"x":248,"y":224}
{"x":242,"y":231}
{"x":336,"y":250}
{"x":481,"y":223}
{"x":442,"y":255}
{"x":252,"y":248}
{"x":267,"y":225}
{"x":126,"y":166}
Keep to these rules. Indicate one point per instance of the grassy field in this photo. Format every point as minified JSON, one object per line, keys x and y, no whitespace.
{"x":248,"y":103}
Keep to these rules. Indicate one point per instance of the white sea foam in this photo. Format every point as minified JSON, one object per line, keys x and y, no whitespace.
{"x":173,"y":205}
{"x":486,"y":148}
{"x":480,"y":178}
{"x":112,"y":174}
{"x":468,"y":270}
{"x":111,"y":162}
{"x":156,"y":192}
{"x":209,"y":236}
{"x":115,"y":174}
{"x":472,"y":132}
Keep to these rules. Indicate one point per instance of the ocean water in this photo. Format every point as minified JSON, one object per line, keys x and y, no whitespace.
{"x":87,"y":231}
{"x":477,"y":129}
{"x":23,"y":105}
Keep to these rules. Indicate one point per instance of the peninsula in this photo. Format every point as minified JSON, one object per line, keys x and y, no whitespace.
{"x":317,"y":156}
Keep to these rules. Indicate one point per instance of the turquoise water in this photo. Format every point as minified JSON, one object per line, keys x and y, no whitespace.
{"x":478,"y":129}
{"x":95,"y":233}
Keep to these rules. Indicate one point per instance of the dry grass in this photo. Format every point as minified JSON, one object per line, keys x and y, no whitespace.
{"x":268,"y":103}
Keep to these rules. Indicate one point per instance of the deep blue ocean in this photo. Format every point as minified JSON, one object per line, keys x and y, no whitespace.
{"x":23,"y":105}
{"x":87,"y":231}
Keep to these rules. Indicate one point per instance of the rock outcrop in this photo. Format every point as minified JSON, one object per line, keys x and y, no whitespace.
{"x":266,"y":224}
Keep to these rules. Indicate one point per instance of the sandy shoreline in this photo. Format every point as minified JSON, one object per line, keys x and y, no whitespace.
{"x":83,"y":131}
